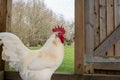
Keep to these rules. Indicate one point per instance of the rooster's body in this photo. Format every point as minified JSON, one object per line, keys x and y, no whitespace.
{"x":32,"y":64}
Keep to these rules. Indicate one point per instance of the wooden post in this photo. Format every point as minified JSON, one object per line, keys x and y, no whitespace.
{"x":79,"y":36}
{"x":117,"y":22}
{"x":89,"y":24}
{"x":103,"y":29}
{"x":96,"y":23}
{"x":3,"y":12}
{"x":110,"y":23}
{"x":5,"y":22}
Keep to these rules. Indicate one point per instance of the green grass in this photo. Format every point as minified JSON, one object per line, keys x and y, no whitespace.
{"x":35,"y":47}
{"x":68,"y":62}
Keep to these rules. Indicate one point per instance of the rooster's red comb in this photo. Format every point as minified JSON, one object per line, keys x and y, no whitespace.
{"x":59,"y":29}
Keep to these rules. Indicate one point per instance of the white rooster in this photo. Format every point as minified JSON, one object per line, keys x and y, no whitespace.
{"x":34,"y":64}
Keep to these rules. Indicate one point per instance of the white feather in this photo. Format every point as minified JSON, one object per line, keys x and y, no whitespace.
{"x":32,"y":64}
{"x":13,"y":48}
{"x":52,"y":55}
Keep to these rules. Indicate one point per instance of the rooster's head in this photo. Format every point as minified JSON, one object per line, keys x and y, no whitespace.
{"x":60,"y":32}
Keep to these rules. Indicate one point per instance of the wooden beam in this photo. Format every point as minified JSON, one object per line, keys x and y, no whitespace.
{"x":108,"y":43}
{"x":5,"y":21}
{"x":103,"y":21}
{"x":103,"y":59}
{"x":117,"y":22}
{"x":79,"y":36}
{"x":96,"y":23}
{"x":110,"y":23}
{"x":107,"y":66}
{"x":3,"y":13}
{"x":89,"y":29}
{"x":57,"y":76}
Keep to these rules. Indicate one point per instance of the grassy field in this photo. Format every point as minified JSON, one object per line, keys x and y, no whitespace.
{"x":68,"y":62}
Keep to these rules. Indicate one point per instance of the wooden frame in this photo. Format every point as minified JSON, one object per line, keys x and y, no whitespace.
{"x":103,"y":34}
{"x":111,"y":40}
{"x":84,"y":42}
{"x":3,"y":10}
{"x":58,"y":76}
{"x":79,"y":36}
{"x":79,"y":59}
{"x":3,"y":14}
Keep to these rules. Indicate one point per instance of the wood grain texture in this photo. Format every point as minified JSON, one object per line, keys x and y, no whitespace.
{"x":3,"y":15}
{"x":5,"y":18}
{"x":102,"y":20}
{"x":117,"y":22}
{"x":62,"y":76}
{"x":103,"y":25}
{"x":96,"y":24}
{"x":107,"y":66}
{"x":89,"y":32}
{"x":106,"y":59}
{"x":109,"y":42}
{"x":110,"y":23}
{"x":79,"y":36}
{"x":3,"y":12}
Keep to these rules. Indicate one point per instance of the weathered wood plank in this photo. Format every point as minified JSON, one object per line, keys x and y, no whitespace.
{"x":3,"y":10}
{"x":117,"y":22}
{"x":103,"y":26}
{"x":102,"y":20}
{"x":89,"y":23}
{"x":110,"y":41}
{"x":110,"y":24}
{"x":107,"y":66}
{"x":89,"y":29}
{"x":103,"y":59}
{"x":58,"y":76}
{"x":79,"y":36}
{"x":96,"y":24}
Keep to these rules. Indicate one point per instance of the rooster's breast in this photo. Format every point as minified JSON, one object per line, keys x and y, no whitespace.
{"x":36,"y":75}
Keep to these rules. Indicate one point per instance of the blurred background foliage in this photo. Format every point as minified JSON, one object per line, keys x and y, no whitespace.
{"x":32,"y":21}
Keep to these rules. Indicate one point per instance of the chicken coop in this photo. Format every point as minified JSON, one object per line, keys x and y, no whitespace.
{"x":97,"y":41}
